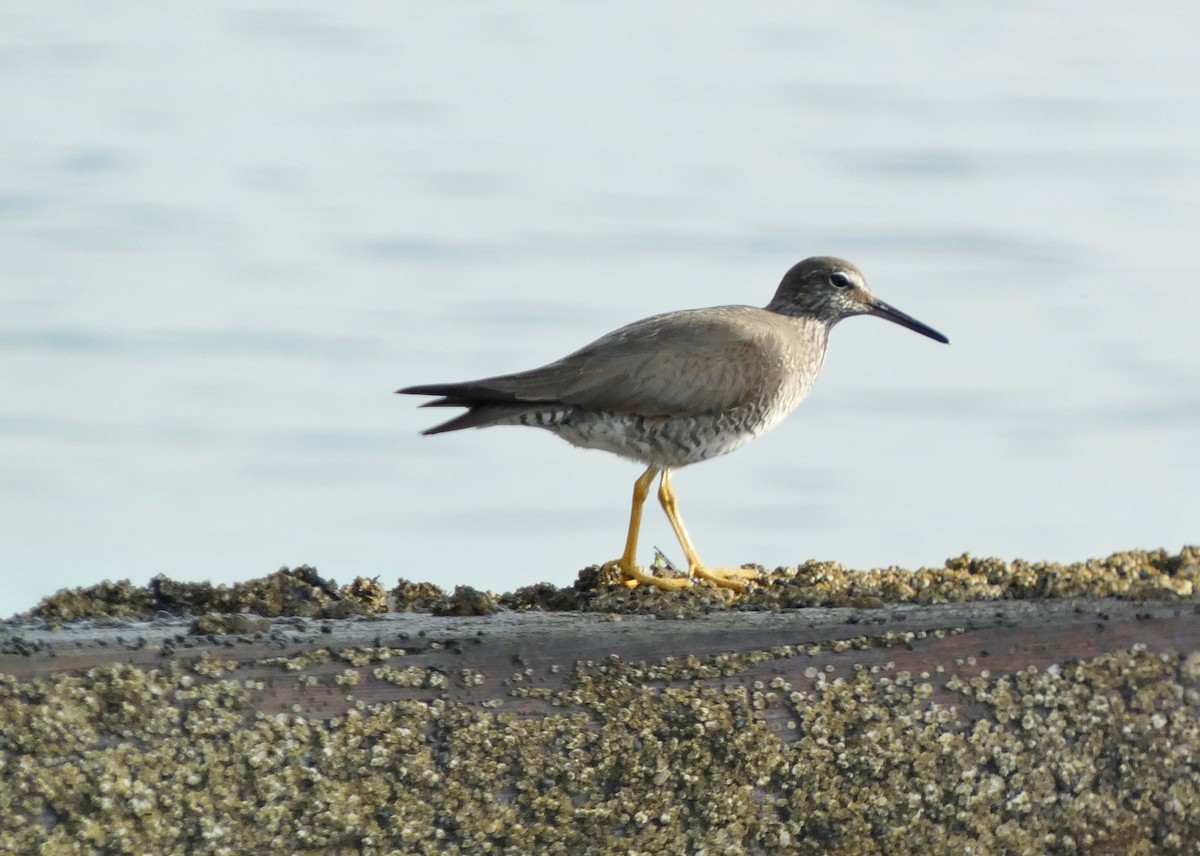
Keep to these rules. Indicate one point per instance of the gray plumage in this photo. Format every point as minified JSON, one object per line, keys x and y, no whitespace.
{"x":680,"y":387}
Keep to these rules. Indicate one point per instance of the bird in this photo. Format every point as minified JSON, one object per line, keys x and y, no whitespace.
{"x":679,"y":388}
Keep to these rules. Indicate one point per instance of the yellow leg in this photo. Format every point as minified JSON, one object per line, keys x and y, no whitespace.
{"x":627,"y":564}
{"x":731,"y":578}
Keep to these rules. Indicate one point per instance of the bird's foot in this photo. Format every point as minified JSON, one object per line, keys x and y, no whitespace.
{"x":632,"y":576}
{"x":730,"y":578}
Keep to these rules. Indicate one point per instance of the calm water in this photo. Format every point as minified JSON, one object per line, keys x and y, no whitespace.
{"x":229,"y":231}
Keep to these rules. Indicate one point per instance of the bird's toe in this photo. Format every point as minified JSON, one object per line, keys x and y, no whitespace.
{"x":736,"y":579}
{"x":631,"y":576}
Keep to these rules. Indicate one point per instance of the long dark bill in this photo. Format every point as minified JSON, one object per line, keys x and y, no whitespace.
{"x":891,"y":313}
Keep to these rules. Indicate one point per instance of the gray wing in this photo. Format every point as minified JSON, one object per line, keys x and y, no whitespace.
{"x":680,"y":363}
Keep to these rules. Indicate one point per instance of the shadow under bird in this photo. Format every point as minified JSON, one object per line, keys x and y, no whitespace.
{"x":680,"y":388}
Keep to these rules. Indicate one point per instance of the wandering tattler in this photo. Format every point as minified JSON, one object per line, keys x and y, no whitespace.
{"x":679,"y":388}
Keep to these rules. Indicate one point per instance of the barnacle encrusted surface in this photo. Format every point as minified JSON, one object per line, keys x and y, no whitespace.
{"x":985,"y":708}
{"x":684,"y":755}
{"x":1134,"y":575}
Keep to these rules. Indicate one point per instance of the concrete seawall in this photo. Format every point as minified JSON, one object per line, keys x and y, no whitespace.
{"x":1036,"y":725}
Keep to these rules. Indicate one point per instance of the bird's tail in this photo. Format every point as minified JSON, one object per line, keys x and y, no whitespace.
{"x":485,"y":407}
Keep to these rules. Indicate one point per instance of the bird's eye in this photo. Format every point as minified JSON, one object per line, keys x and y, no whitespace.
{"x":840,"y":280}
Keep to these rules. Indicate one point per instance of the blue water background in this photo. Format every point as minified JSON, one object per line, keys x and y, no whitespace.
{"x":229,"y":230}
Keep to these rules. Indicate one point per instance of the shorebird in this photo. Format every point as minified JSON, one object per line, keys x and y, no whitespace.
{"x":679,"y":388}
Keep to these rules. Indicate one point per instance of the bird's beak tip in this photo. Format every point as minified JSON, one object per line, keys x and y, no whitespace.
{"x":885,"y":310}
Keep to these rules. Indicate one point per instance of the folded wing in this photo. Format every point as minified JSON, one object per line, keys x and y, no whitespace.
{"x":677,"y":364}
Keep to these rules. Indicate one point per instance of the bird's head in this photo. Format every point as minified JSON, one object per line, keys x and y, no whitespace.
{"x":830,"y":289}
